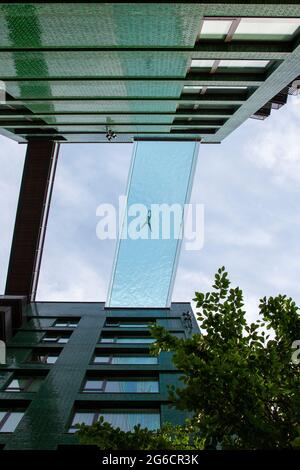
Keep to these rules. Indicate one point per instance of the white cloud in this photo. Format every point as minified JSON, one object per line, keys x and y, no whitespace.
{"x":72,"y":278}
{"x":276,"y":147}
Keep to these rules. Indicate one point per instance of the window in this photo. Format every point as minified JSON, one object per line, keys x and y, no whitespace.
{"x":125,"y":419}
{"x":55,"y":338}
{"x":9,"y":420}
{"x":123,"y":359}
{"x":193,"y":88}
{"x":266,"y":28}
{"x":236,"y":28}
{"x":46,"y":357}
{"x":127,"y":339}
{"x":122,"y":385}
{"x":200,"y":63}
{"x":120,"y":323}
{"x":66,"y":323}
{"x":24,"y":384}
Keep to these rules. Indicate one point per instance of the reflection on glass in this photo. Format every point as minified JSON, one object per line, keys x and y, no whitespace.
{"x":127,"y":339}
{"x":134,"y":360}
{"x":125,"y":419}
{"x":197,"y":63}
{"x":12,"y":421}
{"x":125,"y":359}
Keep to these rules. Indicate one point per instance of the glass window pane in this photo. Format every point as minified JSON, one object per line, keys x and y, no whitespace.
{"x":63,"y":340}
{"x":223,"y":87}
{"x":51,"y":359}
{"x":61,"y":325}
{"x":131,"y":386}
{"x":50,"y":339}
{"x":215,"y":28}
{"x":93,"y":385}
{"x":14,"y":384}
{"x":199,"y":63}
{"x":267,"y":26}
{"x":127,"y":419}
{"x":134,"y":360}
{"x":101,"y":359}
{"x":243,"y":63}
{"x":141,"y":340}
{"x":107,"y":340}
{"x":82,"y":417}
{"x":202,"y":63}
{"x":12,"y":422}
{"x":73,"y":325}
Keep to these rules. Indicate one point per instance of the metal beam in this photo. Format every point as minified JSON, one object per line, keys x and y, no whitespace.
{"x":51,"y":135}
{"x":219,"y":98}
{"x":250,"y":77}
{"x":31,"y":218}
{"x":200,"y":112}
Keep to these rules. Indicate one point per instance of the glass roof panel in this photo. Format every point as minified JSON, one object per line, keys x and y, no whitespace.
{"x":202,"y":63}
{"x":243,"y":63}
{"x":146,"y":258}
{"x":267,"y":26}
{"x":229,"y":63}
{"x":215,"y":27}
{"x":223,"y":87}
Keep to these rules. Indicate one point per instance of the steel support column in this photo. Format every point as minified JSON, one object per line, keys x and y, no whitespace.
{"x":31,"y":218}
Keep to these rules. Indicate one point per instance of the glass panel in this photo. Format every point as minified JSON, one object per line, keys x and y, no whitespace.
{"x":215,"y":28}
{"x":12,"y":422}
{"x":63,"y":340}
{"x":61,"y":325}
{"x":134,"y":360}
{"x":223,"y":87}
{"x":93,"y":385}
{"x":230,"y":63}
{"x":131,"y":386}
{"x":107,"y":340}
{"x":101,"y":359}
{"x":82,"y":417}
{"x":17,"y":385}
{"x":51,"y":359}
{"x":127,"y":419}
{"x":161,"y":174}
{"x":135,"y":340}
{"x":73,"y":325}
{"x":202,"y":63}
{"x":50,"y":339}
{"x":267,"y":27}
{"x":243,"y":63}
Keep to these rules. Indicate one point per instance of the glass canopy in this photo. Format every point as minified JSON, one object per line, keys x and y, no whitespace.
{"x":159,"y":185}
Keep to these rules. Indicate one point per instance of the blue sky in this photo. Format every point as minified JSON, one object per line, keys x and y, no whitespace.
{"x":250,"y":186}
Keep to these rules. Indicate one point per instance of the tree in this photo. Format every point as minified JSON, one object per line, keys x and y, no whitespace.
{"x":238,"y":379}
{"x":104,"y":436}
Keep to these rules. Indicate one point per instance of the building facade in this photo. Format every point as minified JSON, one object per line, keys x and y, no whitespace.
{"x":73,"y":362}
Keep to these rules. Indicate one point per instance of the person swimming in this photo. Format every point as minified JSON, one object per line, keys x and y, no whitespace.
{"x":148,"y":221}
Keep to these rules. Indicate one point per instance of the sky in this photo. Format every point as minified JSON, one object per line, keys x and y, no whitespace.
{"x":249,"y":185}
